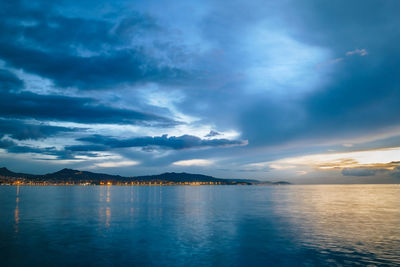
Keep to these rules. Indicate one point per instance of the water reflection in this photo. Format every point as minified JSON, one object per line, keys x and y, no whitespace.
{"x":108,"y":194}
{"x":105,"y":209}
{"x":131,"y":195}
{"x":16,"y":211}
{"x":108,"y":209}
{"x":352,"y":220}
{"x":200,"y":226}
{"x":108,"y":216}
{"x":131,"y":201}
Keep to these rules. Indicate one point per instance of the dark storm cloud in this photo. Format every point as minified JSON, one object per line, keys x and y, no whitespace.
{"x":59,"y":154}
{"x":20,"y":130}
{"x":9,"y":82}
{"x":73,"y":109}
{"x":81,"y":148}
{"x":57,"y":33}
{"x":95,"y":72}
{"x":27,"y":105}
{"x":6,"y":143}
{"x":28,"y":149}
{"x":82,"y":52}
{"x":165,"y":142}
{"x":12,"y":147}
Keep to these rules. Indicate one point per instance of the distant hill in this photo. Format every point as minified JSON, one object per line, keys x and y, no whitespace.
{"x":7,"y":173}
{"x":70,"y":175}
{"x":76,"y":175}
{"x":188,"y":177}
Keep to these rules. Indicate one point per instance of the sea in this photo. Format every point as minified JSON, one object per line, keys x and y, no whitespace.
{"x":223,"y":225}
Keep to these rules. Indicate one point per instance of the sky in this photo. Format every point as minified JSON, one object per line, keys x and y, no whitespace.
{"x":302,"y":91}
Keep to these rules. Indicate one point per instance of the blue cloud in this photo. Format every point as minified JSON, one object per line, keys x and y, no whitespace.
{"x":164,"y":142}
{"x":9,"y":81}
{"x":21,"y":130}
{"x":72,"y":109}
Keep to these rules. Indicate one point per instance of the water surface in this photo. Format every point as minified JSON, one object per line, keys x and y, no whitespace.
{"x":200,"y":225}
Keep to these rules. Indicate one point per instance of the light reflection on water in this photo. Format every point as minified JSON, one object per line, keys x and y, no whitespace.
{"x":16,"y":211}
{"x":202,"y":225}
{"x":353,"y":222}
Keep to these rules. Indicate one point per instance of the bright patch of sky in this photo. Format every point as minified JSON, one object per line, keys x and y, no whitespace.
{"x":194,"y":162}
{"x":351,"y":159}
{"x":281,"y":64}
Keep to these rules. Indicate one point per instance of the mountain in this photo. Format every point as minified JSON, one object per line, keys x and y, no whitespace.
{"x":7,"y":173}
{"x":188,"y":177}
{"x":70,"y":175}
{"x":76,"y":176}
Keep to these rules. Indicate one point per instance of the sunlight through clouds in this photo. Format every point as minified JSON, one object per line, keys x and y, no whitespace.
{"x":194,"y":162}
{"x":355,"y":159}
{"x":124,"y":163}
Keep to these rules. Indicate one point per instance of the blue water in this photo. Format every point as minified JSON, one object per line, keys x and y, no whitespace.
{"x":308,"y":225}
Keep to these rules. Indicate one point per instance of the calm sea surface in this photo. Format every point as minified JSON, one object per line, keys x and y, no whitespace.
{"x":308,"y":225}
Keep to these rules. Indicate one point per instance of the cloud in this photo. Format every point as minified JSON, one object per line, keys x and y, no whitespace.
{"x":329,"y":62}
{"x":80,"y":148}
{"x":281,"y":167}
{"x":6,"y":143}
{"x":361,"y":52}
{"x":12,"y":147}
{"x":27,"y":105}
{"x":110,"y":164}
{"x":348,"y":104}
{"x":21,"y":130}
{"x":21,"y":149}
{"x":193,"y":162}
{"x":212,"y":134}
{"x":382,"y":158}
{"x":95,"y":72}
{"x":101,"y":54}
{"x":391,"y":168}
{"x":73,"y":109}
{"x":9,"y":81}
{"x":48,"y":152}
{"x":362,"y":171}
{"x":396,"y":172}
{"x":164,"y":142}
